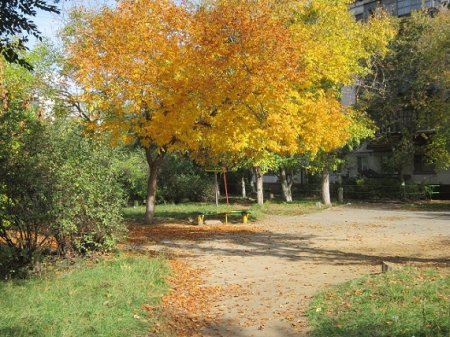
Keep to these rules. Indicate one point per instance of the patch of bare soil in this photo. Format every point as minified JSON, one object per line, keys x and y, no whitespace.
{"x":258,"y":280}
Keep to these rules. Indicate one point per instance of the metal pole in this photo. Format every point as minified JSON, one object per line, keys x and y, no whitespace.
{"x":225,"y":183}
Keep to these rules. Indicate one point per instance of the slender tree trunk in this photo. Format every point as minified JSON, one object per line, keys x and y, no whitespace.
{"x":326,"y":187}
{"x":252,"y":182}
{"x":154,"y":162}
{"x":259,"y":186}
{"x":216,"y":188}
{"x":286,"y":184}
{"x":244,"y":192}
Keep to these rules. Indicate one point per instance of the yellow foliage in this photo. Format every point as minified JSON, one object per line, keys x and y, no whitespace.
{"x":235,"y":78}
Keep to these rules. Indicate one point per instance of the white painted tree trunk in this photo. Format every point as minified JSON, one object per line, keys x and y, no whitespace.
{"x":244,"y":192}
{"x":259,"y":186}
{"x":216,"y":189}
{"x":286,"y":184}
{"x":216,"y":185}
{"x":326,"y":188}
{"x":252,"y":182}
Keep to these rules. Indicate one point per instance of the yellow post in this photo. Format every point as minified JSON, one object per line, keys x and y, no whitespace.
{"x":200,"y":219}
{"x":244,"y":218}
{"x":226,"y":218}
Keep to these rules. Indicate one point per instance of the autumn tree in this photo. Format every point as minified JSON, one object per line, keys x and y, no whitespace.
{"x":134,"y":63}
{"x":254,"y":65}
{"x":325,"y":162}
{"x":239,"y":80}
{"x":275,"y":70}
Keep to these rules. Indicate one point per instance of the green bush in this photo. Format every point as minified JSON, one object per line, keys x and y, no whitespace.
{"x":179,"y":179}
{"x":383,"y":188}
{"x":54,"y":184}
{"x":89,"y":197}
{"x":27,"y":182}
{"x":132,"y":173}
{"x":182,"y":180}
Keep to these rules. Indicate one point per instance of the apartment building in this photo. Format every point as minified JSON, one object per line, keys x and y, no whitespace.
{"x":373,"y":157}
{"x":362,"y":9}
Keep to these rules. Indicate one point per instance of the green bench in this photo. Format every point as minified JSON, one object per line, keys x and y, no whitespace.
{"x":433,"y":190}
{"x":244,"y":216}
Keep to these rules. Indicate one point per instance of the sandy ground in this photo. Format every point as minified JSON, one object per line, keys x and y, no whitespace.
{"x":281,"y":265}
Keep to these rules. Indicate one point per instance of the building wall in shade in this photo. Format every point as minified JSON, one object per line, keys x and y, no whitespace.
{"x":362,"y":9}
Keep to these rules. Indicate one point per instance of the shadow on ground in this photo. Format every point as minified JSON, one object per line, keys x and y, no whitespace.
{"x":244,"y":241}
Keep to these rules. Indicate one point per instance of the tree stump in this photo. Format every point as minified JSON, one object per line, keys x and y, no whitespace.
{"x":389,"y":266}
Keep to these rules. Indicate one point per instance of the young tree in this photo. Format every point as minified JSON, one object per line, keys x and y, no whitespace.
{"x":325,"y":162}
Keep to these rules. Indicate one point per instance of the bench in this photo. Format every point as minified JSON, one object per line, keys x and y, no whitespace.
{"x":244,"y":215}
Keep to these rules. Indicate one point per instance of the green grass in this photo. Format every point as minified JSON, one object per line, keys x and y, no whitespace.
{"x":275,"y":207}
{"x":405,"y":303}
{"x":433,"y":205}
{"x":178,"y":211}
{"x":104,"y":299}
{"x":190,"y":210}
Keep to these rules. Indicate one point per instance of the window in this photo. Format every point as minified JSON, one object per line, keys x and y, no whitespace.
{"x":387,"y":164}
{"x":359,"y":17}
{"x":406,"y":6}
{"x":422,"y":165}
{"x":363,"y":164}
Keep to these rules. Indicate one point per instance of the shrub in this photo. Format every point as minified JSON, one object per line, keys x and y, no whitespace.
{"x":88,"y":198}
{"x":27,"y":182}
{"x":54,"y":184}
{"x":131,"y":169}
{"x":383,"y":188}
{"x":182,"y":180}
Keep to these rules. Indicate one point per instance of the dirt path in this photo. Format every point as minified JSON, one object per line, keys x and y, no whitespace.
{"x":285,"y":260}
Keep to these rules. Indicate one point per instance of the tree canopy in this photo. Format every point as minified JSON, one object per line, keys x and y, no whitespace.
{"x":240,"y":79}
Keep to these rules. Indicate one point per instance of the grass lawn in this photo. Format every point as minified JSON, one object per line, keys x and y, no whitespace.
{"x":297,"y":207}
{"x":405,"y":303}
{"x":102,"y":299}
{"x":185,"y":211}
{"x":430,"y":205}
{"x":182,"y":211}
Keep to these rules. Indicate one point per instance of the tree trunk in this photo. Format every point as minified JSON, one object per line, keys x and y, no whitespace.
{"x":286,"y":184}
{"x":244,"y":192}
{"x":154,"y":163}
{"x":252,"y":182}
{"x":216,"y":189}
{"x":326,"y":188}
{"x":216,"y":185}
{"x":259,"y":186}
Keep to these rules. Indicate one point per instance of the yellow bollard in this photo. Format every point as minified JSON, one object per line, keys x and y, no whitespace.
{"x":226,"y":218}
{"x":244,"y":218}
{"x":200,"y":219}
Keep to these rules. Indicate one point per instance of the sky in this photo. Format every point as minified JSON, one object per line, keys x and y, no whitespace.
{"x":49,"y":23}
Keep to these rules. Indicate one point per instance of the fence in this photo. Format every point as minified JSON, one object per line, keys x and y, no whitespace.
{"x":373,"y":191}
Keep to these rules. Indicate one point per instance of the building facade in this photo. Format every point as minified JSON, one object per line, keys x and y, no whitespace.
{"x":362,"y":9}
{"x":373,"y":158}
